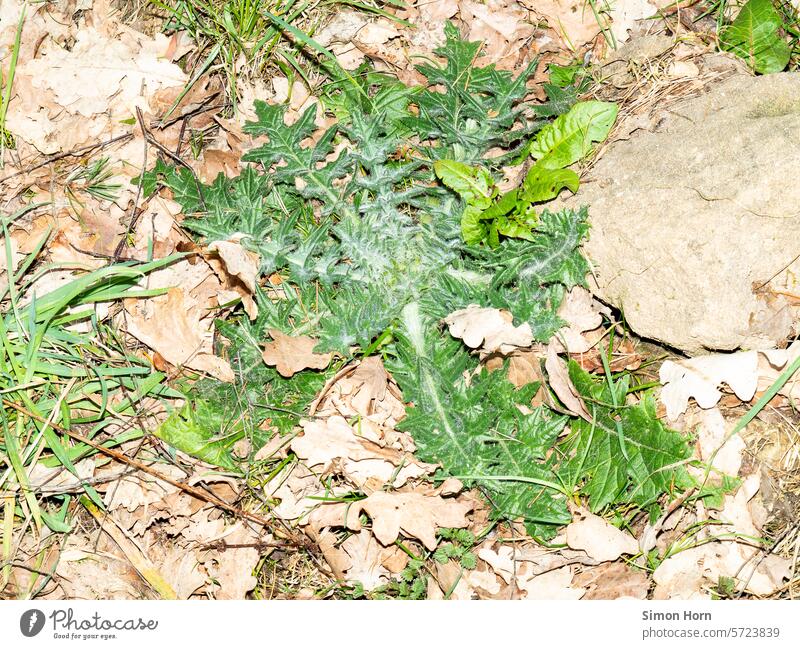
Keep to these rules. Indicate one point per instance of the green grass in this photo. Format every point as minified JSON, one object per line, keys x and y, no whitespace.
{"x":61,"y":367}
{"x":6,"y":141}
{"x":253,"y":37}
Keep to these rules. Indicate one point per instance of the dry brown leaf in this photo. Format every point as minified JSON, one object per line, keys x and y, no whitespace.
{"x":241,"y":264}
{"x":744,"y":372}
{"x":483,"y":580}
{"x":599,"y":538}
{"x":218,"y":161}
{"x":366,"y":557}
{"x":416,"y":515}
{"x":232,"y":567}
{"x":613,"y":581}
{"x":554,"y":584}
{"x":700,"y":377}
{"x":291,"y":354}
{"x":92,"y":567}
{"x":65,"y":98}
{"x":296,"y":488}
{"x":373,"y":381}
{"x":573,"y":20}
{"x":489,"y":329}
{"x":524,"y":368}
{"x":625,"y":14}
{"x":181,"y":568}
{"x":715,"y":446}
{"x":562,"y":385}
{"x":692,"y":573}
{"x":178,"y":332}
{"x":362,"y":461}
{"x":372,"y":395}
{"x":451,"y":579}
{"x":581,"y":312}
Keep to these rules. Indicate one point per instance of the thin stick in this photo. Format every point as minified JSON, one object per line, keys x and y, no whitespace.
{"x":67,"y":154}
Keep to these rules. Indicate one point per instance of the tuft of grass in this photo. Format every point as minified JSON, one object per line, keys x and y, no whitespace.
{"x":62,"y":367}
{"x":252,"y":37}
{"x":7,"y":82}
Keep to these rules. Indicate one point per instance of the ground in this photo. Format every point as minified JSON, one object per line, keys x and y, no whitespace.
{"x":336,"y":344}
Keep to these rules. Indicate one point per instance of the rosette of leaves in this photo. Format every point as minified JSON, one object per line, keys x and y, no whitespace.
{"x":362,"y":247}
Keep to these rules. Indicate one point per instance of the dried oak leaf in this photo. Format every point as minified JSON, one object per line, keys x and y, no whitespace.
{"x":575,"y":24}
{"x":415,"y":514}
{"x":238,"y":261}
{"x":366,"y":558}
{"x":555,"y":584}
{"x":613,"y":581}
{"x":489,"y":329}
{"x":562,"y":385}
{"x":599,"y":538}
{"x":290,"y":354}
{"x":325,"y":441}
{"x":174,"y":326}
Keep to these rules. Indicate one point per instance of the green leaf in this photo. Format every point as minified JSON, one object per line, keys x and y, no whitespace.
{"x":563,"y":75}
{"x":544,"y":184}
{"x":595,"y":456}
{"x":474,"y":229}
{"x":755,"y":37}
{"x":570,"y":137}
{"x":473,"y":184}
{"x":195,"y":429}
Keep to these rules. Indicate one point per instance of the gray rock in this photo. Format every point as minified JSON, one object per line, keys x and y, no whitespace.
{"x":696,"y":226}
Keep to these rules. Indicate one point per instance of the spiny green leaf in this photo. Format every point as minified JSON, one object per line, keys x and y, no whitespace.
{"x":594,"y":453}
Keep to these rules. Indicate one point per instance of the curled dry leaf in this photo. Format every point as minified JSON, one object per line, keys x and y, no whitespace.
{"x":368,"y":391}
{"x":361,"y":460}
{"x":291,"y":354}
{"x":414,"y":514}
{"x":599,"y":538}
{"x":581,"y":312}
{"x":572,"y":20}
{"x":489,"y":329}
{"x":613,"y":581}
{"x":744,"y":372}
{"x":562,"y":385}
{"x":238,"y":261}
{"x":237,"y":269}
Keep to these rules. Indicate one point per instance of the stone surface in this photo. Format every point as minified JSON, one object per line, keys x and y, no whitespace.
{"x":696,"y":226}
